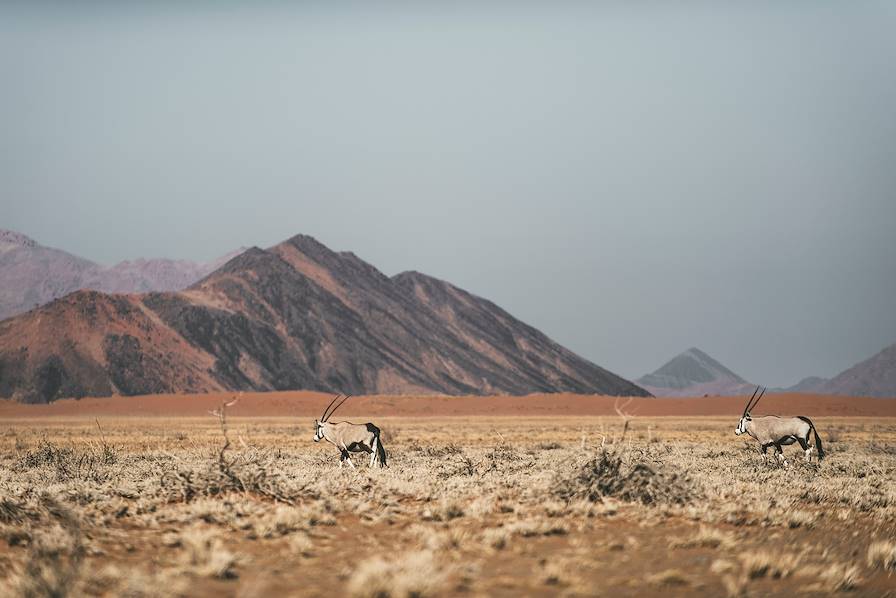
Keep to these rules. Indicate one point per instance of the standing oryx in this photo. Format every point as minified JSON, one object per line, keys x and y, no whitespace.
{"x":771,"y":430}
{"x":349,"y":437}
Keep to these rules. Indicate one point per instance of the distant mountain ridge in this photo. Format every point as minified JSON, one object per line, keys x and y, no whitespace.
{"x":807,"y":384}
{"x":873,"y":377}
{"x":32,"y":275}
{"x":295,"y":316}
{"x":693,"y":373}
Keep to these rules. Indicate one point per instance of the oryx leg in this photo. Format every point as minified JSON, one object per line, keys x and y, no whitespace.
{"x":779,"y":454}
{"x":373,"y":453}
{"x":345,"y":457}
{"x":806,"y":448}
{"x":763,"y":448}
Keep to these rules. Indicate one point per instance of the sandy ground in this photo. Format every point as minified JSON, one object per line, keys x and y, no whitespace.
{"x":311,"y":404}
{"x":469,"y":506}
{"x":136,"y":496}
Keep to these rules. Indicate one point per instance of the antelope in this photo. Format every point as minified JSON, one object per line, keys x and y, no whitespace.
{"x":349,"y":437}
{"x":772,"y":430}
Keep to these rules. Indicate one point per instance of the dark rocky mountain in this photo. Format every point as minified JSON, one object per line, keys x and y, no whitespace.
{"x":295,"y":316}
{"x":693,"y":373}
{"x":32,"y":275}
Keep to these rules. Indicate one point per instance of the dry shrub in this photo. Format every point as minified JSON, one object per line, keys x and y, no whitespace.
{"x":281,"y":521}
{"x":532,"y":528}
{"x":707,"y":537}
{"x":797,"y":519}
{"x":205,"y":555}
{"x":250,"y":472}
{"x":415,"y":574}
{"x":496,"y":537}
{"x":131,"y":582}
{"x":87,"y":465}
{"x":607,"y":475}
{"x":882,"y":555}
{"x":438,"y":452}
{"x":765,"y":564}
{"x":12,"y":511}
{"x":301,"y":544}
{"x":554,"y":573}
{"x":460,"y":465}
{"x":482,"y":506}
{"x":548,"y":446}
{"x":52,"y":566}
{"x":440,"y":539}
{"x":668,"y":578}
{"x":446,"y":510}
{"x":840,"y":577}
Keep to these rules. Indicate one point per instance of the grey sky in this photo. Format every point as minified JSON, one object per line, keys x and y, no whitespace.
{"x":632,"y":179}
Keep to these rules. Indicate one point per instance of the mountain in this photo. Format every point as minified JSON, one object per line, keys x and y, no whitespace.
{"x":808,"y":384}
{"x":693,"y":373}
{"x":32,"y":274}
{"x":295,"y":316}
{"x":874,"y":377}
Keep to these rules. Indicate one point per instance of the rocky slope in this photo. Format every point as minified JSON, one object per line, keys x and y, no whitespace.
{"x":693,"y":373}
{"x":32,"y":275}
{"x":297,"y":315}
{"x":874,"y":377}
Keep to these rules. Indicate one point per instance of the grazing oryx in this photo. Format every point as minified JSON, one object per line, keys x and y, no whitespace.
{"x":349,"y":437}
{"x":771,"y":430}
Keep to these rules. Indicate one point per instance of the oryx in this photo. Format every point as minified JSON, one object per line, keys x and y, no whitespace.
{"x":772,"y":430}
{"x":349,"y":437}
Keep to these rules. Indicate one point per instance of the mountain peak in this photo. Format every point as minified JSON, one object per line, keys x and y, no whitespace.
{"x":308,"y":245}
{"x":693,"y":372}
{"x":10,"y":239}
{"x":873,"y":377}
{"x":299,"y":316}
{"x":37,"y":274}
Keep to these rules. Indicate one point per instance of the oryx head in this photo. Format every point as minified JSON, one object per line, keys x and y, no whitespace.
{"x":746,"y":418}
{"x":319,"y":423}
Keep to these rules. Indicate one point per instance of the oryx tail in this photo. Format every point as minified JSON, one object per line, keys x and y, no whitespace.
{"x":817,"y":437}
{"x":381,"y":452}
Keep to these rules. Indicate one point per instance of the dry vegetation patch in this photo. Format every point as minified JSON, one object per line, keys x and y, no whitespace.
{"x":620,"y":474}
{"x":493,"y":507}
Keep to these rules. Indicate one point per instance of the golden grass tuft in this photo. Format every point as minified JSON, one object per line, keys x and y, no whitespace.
{"x":882,"y":555}
{"x":410,"y":575}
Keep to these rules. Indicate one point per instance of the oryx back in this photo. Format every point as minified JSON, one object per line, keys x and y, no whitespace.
{"x":771,"y":428}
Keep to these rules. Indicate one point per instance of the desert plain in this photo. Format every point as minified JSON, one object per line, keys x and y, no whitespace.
{"x":545,"y":495}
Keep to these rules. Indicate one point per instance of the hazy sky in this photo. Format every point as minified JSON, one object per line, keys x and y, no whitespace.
{"x":633,"y":179}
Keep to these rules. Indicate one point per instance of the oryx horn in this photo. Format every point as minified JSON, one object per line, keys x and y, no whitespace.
{"x":747,"y":407}
{"x":323,"y":417}
{"x":756,"y":402}
{"x":338,"y":405}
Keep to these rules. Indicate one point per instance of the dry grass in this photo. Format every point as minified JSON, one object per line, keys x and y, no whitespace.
{"x":882,"y":555}
{"x":707,"y":537}
{"x":627,"y":476}
{"x":411,"y":575}
{"x":501,"y":506}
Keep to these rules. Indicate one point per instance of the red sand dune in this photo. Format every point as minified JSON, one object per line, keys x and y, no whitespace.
{"x":310,"y":404}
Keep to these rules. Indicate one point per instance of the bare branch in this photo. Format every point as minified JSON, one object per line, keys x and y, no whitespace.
{"x":626,"y":417}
